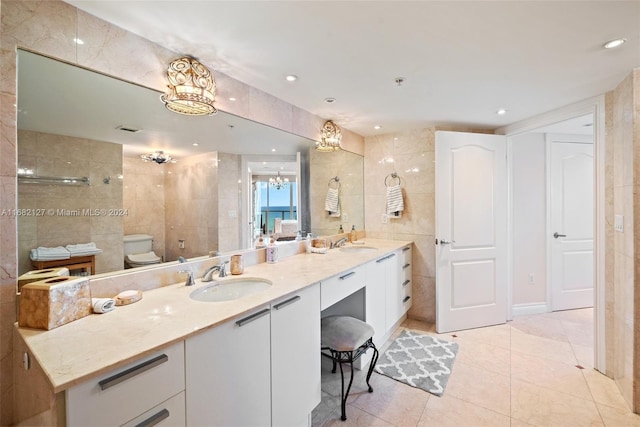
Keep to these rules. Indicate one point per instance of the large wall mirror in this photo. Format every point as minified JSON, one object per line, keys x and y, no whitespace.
{"x":75,"y":124}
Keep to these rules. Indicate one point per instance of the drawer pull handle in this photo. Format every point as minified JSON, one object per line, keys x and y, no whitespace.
{"x":346,"y":276}
{"x":406,"y":266}
{"x":407,"y":248}
{"x":132,"y":372}
{"x":155,"y":419}
{"x":407,"y":298}
{"x":283,"y":304}
{"x":253,"y":317}
{"x":406,"y":282}
{"x":384,"y":258}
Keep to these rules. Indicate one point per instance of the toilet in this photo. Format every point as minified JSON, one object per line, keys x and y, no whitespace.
{"x":138,"y":251}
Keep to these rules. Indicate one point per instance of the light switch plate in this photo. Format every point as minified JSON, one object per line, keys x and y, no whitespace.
{"x":619,"y":223}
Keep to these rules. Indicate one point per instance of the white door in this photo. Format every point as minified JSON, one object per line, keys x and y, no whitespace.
{"x":571,"y":225}
{"x":471,"y":230}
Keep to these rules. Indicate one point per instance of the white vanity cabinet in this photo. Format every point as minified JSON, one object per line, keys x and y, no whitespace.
{"x":295,"y":357}
{"x":376,"y":299}
{"x":260,"y":369}
{"x":150,"y":390}
{"x":228,"y":373}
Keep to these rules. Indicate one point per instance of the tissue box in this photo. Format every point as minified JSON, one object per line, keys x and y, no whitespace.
{"x":54,"y":302}
{"x":37,"y":275}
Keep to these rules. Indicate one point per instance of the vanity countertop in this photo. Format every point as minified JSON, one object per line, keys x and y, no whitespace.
{"x":99,"y":343}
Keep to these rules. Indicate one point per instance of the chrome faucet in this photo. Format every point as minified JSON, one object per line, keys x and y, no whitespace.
{"x":339,"y":242}
{"x":221,"y":269}
{"x":190,"y":281}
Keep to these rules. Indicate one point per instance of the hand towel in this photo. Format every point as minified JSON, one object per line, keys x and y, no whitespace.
{"x":49,"y":254}
{"x":103,"y":305}
{"x":81,"y":247}
{"x":395,"y":202}
{"x":332,"y":202}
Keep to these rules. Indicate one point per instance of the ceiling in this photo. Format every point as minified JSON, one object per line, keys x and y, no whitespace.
{"x":461,"y":60}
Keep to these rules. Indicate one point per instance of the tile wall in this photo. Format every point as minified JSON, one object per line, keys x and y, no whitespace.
{"x":348,"y":167}
{"x":624,"y":139}
{"x":62,"y":212}
{"x":143,"y":200}
{"x":411,"y":156}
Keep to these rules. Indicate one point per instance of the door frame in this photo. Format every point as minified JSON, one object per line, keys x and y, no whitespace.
{"x":595,"y":106}
{"x":550,"y":139}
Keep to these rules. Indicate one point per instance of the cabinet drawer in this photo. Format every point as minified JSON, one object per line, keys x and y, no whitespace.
{"x":338,"y":287}
{"x":169,"y":413}
{"x":125,"y":393}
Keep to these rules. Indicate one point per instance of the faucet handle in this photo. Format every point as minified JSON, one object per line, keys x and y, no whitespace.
{"x":190,"y":281}
{"x":223,"y":270}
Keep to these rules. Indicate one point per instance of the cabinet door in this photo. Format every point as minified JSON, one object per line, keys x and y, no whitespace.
{"x":375,"y":301}
{"x":228,"y":373}
{"x":295,"y":357}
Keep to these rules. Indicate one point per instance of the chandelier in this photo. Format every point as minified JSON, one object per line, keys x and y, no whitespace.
{"x":278,"y":182}
{"x":192,"y":89}
{"x":331,"y":137}
{"x":159,"y":157}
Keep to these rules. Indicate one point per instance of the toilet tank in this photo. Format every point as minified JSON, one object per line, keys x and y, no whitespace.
{"x":137,"y":243}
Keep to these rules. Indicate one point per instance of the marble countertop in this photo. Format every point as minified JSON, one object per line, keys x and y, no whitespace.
{"x":99,"y":343}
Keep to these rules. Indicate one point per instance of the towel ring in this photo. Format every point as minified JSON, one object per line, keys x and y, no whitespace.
{"x":336,"y":180}
{"x":392,"y":176}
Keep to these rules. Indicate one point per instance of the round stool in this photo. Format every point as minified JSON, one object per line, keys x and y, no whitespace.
{"x":347,"y":338}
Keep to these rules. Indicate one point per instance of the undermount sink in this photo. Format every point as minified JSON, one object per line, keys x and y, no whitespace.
{"x":357,"y":249}
{"x":230,"y":289}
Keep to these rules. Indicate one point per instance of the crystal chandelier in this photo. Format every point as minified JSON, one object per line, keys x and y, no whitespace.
{"x":192,"y":89}
{"x":331,"y":137}
{"x":278,"y":182}
{"x":159,"y":157}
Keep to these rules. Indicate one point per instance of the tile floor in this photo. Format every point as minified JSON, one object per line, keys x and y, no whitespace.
{"x":520,"y":374}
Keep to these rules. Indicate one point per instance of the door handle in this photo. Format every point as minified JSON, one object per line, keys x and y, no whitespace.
{"x":445,"y":242}
{"x":556,"y":235}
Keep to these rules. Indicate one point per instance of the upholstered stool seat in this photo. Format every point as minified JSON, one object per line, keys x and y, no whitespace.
{"x":346,"y":339}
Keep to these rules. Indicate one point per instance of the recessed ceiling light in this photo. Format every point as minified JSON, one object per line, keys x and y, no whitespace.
{"x":195,"y":144}
{"x":329,"y":100}
{"x":614,"y":43}
{"x":501,"y":112}
{"x":376,"y":127}
{"x":78,"y":41}
{"x":232,"y":99}
{"x":273,"y":150}
{"x":291,"y":78}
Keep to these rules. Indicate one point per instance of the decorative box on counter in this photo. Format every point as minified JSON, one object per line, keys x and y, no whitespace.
{"x":37,"y":275}
{"x":54,"y":302}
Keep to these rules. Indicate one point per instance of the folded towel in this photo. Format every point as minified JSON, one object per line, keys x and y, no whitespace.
{"x":49,"y":254}
{"x":395,"y":202}
{"x":103,"y":305}
{"x":332,"y":202}
{"x":86,"y":252}
{"x":81,"y":247}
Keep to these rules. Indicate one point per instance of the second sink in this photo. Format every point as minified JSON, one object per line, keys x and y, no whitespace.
{"x":230,"y":289}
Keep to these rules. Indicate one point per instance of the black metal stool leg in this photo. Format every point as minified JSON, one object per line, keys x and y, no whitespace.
{"x":343,"y":406}
{"x":374,"y":360}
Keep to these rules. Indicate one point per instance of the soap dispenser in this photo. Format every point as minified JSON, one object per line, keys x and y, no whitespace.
{"x":353,"y":235}
{"x":341,"y":230}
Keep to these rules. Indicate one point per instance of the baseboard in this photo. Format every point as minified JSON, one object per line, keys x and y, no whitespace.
{"x":528,"y":309}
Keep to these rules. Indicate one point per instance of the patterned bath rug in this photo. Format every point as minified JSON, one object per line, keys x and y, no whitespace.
{"x":419,"y":360}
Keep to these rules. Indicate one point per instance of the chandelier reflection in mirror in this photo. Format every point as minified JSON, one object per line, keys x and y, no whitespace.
{"x":192,"y":89}
{"x":278,"y":182}
{"x":331,"y":137}
{"x":159,"y":157}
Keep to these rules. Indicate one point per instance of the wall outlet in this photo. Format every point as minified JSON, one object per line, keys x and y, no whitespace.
{"x":233,"y":214}
{"x":619,"y":223}
{"x":532,"y":279}
{"x":385,"y":218}
{"x":181,"y":244}
{"x":345,"y":217}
